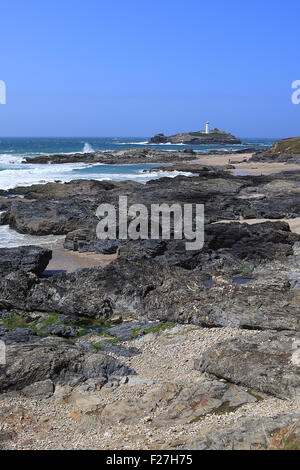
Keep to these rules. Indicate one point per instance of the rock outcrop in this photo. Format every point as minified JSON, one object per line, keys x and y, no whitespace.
{"x":249,"y":434}
{"x":286,"y":150}
{"x":55,"y":359}
{"x":178,"y":404}
{"x":24,"y":258}
{"x":131,"y":155}
{"x":268,"y":362}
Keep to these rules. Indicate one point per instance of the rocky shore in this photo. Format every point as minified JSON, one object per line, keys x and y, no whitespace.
{"x":130,"y":156}
{"x":161,"y":348}
{"x":121,"y":157}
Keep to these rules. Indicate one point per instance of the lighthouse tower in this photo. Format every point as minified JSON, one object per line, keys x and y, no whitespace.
{"x":207,"y":128}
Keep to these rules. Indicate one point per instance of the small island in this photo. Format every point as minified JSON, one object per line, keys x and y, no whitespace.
{"x":206,"y":137}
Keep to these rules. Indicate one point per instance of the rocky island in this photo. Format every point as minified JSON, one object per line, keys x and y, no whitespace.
{"x":207,"y":137}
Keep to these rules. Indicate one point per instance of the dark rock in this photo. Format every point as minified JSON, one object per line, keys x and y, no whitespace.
{"x":100,"y":364}
{"x":55,"y":359}
{"x":132,"y":155}
{"x":239,"y":285}
{"x":87,"y":241}
{"x":18,"y":335}
{"x":62,"y":331}
{"x":268,"y":362}
{"x":117,"y":288}
{"x":66,"y":319}
{"x":14,"y":289}
{"x":25,"y":258}
{"x":225,"y":197}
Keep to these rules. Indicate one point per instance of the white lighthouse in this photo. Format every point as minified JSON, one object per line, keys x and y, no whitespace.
{"x":207,"y":128}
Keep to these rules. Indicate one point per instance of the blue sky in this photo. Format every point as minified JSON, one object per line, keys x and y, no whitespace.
{"x":132,"y":68}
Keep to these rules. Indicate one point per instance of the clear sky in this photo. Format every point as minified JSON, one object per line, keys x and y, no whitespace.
{"x":134,"y":68}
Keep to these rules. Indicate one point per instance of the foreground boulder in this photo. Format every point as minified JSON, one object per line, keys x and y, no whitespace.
{"x":268,"y":362}
{"x":97,"y":292}
{"x":57,"y":360}
{"x":25,"y":258}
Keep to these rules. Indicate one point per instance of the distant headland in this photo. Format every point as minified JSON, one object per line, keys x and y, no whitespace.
{"x":206,"y":137}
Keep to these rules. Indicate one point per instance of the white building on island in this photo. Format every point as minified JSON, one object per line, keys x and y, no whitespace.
{"x":207,"y":131}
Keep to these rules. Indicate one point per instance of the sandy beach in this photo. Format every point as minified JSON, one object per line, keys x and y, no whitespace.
{"x":243,"y":167}
{"x":68,"y":261}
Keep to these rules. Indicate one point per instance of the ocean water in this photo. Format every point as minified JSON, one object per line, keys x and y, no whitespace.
{"x":15,"y":173}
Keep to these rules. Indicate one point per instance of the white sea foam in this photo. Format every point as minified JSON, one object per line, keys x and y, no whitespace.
{"x":8,"y":159}
{"x":87,"y":148}
{"x":9,"y":238}
{"x":26,"y":175}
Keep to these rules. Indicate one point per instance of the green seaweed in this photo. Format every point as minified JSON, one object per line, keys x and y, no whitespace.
{"x":136,"y":331}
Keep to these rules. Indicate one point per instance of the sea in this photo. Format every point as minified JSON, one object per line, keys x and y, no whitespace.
{"x":13,"y":172}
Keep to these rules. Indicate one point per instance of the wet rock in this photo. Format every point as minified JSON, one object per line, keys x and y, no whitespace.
{"x":25,"y":258}
{"x":268,"y":362}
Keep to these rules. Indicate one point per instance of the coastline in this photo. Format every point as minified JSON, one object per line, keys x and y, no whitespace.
{"x":159,"y":314}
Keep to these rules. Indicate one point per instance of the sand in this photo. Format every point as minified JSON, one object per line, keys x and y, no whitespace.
{"x":69,"y":261}
{"x":243,"y":168}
